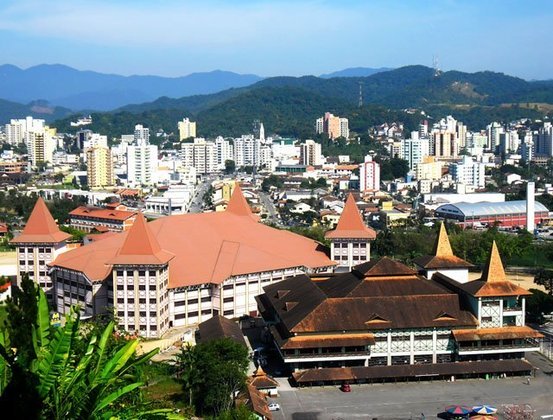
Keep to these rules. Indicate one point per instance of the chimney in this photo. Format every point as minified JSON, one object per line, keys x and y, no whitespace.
{"x":530,"y":207}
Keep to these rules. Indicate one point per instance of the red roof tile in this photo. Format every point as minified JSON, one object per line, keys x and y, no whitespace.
{"x":238,"y":204}
{"x":350,"y":224}
{"x":99,"y":213}
{"x":41,"y":227}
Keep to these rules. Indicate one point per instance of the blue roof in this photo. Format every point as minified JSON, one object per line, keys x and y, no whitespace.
{"x":489,"y":209}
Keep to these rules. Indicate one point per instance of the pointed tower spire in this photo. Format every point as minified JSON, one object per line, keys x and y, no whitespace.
{"x":494,"y":268}
{"x":238,"y":204}
{"x":41,"y":227}
{"x":350,"y":224}
{"x":442,"y":247}
{"x":141,"y":246}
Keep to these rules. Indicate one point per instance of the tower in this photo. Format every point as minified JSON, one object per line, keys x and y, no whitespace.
{"x":530,"y":207}
{"x":351,"y":240}
{"x":39,"y":244}
{"x":140,"y":281}
{"x":360,"y":94}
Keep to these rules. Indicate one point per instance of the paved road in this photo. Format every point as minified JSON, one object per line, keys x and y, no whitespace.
{"x":410,"y":400}
{"x":269,"y":206}
{"x":197,"y":200}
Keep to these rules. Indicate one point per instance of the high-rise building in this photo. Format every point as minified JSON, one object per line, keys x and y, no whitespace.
{"x":225,"y":151}
{"x":201,"y":155}
{"x":332,"y":126}
{"x":141,"y":135}
{"x":310,"y":153}
{"x":443,"y":143}
{"x":469,"y":172}
{"x":187,"y":129}
{"x":141,"y":165}
{"x":415,"y":149}
{"x":249,"y":151}
{"x":429,"y":169}
{"x":509,"y":142}
{"x":527,"y":147}
{"x":41,"y":144}
{"x":369,"y":175}
{"x":17,"y":129}
{"x":99,"y":169}
{"x":494,"y":130}
{"x":543,"y":140}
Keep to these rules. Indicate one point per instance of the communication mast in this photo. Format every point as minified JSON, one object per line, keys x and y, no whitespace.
{"x":436,"y":66}
{"x":360,"y":94}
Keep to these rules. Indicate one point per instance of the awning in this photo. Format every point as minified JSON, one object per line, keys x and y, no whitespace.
{"x":501,"y":333}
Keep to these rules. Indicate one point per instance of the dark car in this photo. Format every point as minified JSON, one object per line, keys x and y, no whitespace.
{"x":345,"y":388}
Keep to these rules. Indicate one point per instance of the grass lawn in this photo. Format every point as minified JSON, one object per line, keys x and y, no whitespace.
{"x":162,"y":388}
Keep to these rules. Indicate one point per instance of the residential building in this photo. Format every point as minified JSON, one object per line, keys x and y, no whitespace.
{"x":384,"y":321}
{"x":494,"y":130}
{"x":141,"y":165}
{"x":141,"y":135}
{"x":332,"y":126}
{"x":184,"y":269}
{"x":225,"y":151}
{"x":187,"y":129}
{"x":369,"y":175}
{"x":415,"y":149}
{"x":16,"y":130}
{"x":429,"y":169}
{"x":249,"y":151}
{"x":201,"y":155}
{"x":543,"y":140}
{"x":41,"y":144}
{"x":350,"y":242}
{"x":310,"y":153}
{"x":99,"y":167}
{"x":469,"y":172}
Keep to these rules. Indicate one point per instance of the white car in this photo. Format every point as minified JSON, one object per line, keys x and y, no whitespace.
{"x":274,"y":406}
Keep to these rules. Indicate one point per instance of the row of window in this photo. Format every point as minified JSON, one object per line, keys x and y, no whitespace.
{"x":141,"y":273}
{"x":130,"y":287}
{"x":193,"y":314}
{"x":40,"y":250}
{"x":192,"y":301}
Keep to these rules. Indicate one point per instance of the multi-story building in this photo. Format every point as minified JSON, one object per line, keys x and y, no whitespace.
{"x":527,"y":147}
{"x":141,"y":135}
{"x":250,"y":151}
{"x":429,"y":169}
{"x":543,"y":140}
{"x":38,"y":245}
{"x":494,"y":130}
{"x":141,"y":164}
{"x":99,"y":167}
{"x":350,"y":242}
{"x":509,"y":142}
{"x":175,"y":271}
{"x":443,"y":144}
{"x":201,"y":155}
{"x":187,"y":129}
{"x":469,"y":172}
{"x":41,"y":144}
{"x":17,"y":129}
{"x":385,"y":321}
{"x":224,"y":152}
{"x":415,"y":149}
{"x":111,"y":218}
{"x":332,"y":126}
{"x":369,"y":175}
{"x":310,"y":153}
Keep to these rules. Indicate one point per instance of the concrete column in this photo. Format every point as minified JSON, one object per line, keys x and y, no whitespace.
{"x":412,"y":348}
{"x":479,"y":311}
{"x":523,"y":311}
{"x":389,"y":357}
{"x":501,"y":312}
{"x":434,"y":345}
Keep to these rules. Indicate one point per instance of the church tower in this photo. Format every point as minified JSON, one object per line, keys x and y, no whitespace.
{"x":351,"y":240}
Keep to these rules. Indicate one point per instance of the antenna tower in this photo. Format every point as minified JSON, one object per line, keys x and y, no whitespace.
{"x":360,"y":94}
{"x":436,"y":66}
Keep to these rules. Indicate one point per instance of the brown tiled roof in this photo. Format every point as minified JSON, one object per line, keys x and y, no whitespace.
{"x":328,"y":340}
{"x":197,"y":241}
{"x":220,"y":327}
{"x":352,"y":374}
{"x":374,"y":313}
{"x":501,"y":333}
{"x":384,"y":266}
{"x":100,"y":213}
{"x":257,"y":402}
{"x":494,"y":271}
{"x":141,"y":247}
{"x":481,"y":288}
{"x":3,"y":228}
{"x":442,"y":256}
{"x":41,"y":227}
{"x":261,"y":380}
{"x":350,"y":224}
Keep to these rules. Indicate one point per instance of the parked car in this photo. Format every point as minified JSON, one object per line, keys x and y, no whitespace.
{"x":274,"y":406}
{"x":345,"y":388}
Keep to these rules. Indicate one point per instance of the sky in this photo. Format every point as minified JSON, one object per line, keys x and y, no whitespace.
{"x":271,"y":38}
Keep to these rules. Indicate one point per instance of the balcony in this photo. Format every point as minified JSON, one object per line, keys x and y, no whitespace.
{"x":512,"y":309}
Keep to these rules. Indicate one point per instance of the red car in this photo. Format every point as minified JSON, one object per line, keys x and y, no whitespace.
{"x":345,"y":388}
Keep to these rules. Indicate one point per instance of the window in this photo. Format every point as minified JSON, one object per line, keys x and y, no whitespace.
{"x":152,"y":273}
{"x":21,"y":249}
{"x":152,"y":287}
{"x":141,"y":273}
{"x":192,"y":301}
{"x":121,"y":300}
{"x":193,"y":313}
{"x":228,"y":299}
{"x":120,"y":273}
{"x":153,"y":314}
{"x":206,"y":299}
{"x":142,"y":300}
{"x":130,"y":301}
{"x":142,"y":287}
{"x":228,"y":312}
{"x":120,"y":313}
{"x":41,"y":250}
{"x":206,"y":312}
{"x":130,"y":273}
{"x":179,"y":316}
{"x":130,"y":313}
{"x":487,"y":319}
{"x":130,"y":287}
{"x":142,"y":313}
{"x":228,"y":286}
{"x":180,"y":303}
{"x":131,"y":328}
{"x":153,"y":327}
{"x":143,"y":328}
{"x":120,"y":287}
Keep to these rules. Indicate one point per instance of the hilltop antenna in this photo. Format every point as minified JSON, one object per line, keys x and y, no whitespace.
{"x":436,"y":66}
{"x":360,"y":94}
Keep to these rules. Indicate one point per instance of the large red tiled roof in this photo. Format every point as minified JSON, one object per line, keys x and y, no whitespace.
{"x":207,"y":248}
{"x":108,"y":214}
{"x":350,"y":224}
{"x":41,"y":227}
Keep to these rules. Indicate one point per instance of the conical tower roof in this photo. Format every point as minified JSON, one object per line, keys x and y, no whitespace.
{"x":494,"y":271}
{"x":442,"y":247}
{"x":41,"y":227}
{"x":351,"y":224}
{"x":238,"y":204}
{"x":141,"y":246}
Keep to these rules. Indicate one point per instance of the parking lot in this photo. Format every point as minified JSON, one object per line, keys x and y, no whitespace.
{"x":413,"y":400}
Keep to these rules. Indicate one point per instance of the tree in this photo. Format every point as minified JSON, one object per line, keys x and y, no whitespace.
{"x":230,"y":166}
{"x":54,"y":379}
{"x":545,"y":278}
{"x":187,"y":372}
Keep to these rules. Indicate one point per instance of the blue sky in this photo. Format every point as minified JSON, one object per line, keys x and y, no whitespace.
{"x":290,"y":37}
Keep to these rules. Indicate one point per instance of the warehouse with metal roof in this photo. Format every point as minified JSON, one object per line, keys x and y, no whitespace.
{"x":507,"y":214}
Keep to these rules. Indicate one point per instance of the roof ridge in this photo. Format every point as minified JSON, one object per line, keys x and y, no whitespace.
{"x":237,"y":203}
{"x":350,"y":220}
